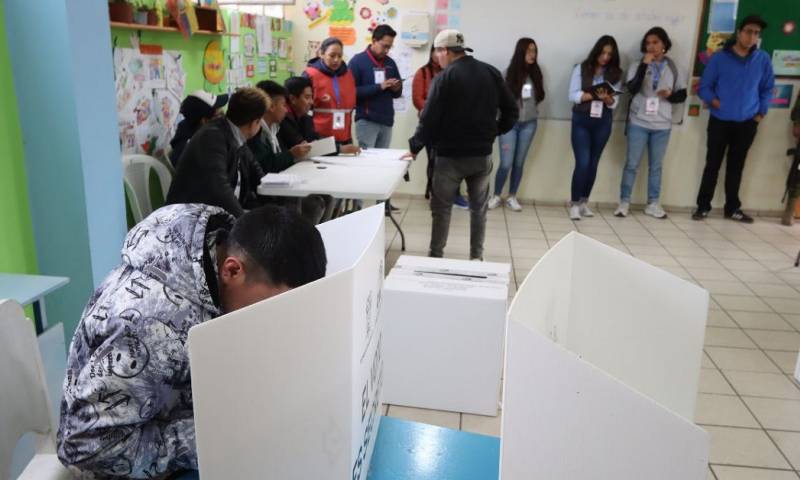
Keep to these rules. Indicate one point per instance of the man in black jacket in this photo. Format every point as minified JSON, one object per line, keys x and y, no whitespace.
{"x":217,"y":168}
{"x":460,"y":120}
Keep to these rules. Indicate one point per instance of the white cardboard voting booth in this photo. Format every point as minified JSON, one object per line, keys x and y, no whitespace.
{"x":290,"y":387}
{"x":444,"y":326}
{"x":602,"y":365}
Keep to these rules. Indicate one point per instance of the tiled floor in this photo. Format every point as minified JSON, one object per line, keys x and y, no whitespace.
{"x":747,"y":400}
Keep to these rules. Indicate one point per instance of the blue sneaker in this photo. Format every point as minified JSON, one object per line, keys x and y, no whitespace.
{"x":461,"y":203}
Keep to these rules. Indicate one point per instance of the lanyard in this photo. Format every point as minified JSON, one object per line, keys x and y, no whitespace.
{"x":379,"y":64}
{"x":336,"y":91}
{"x":656,"y":72}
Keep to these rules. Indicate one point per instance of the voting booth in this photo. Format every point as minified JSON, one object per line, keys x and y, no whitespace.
{"x":444,"y":326}
{"x":602,"y":366}
{"x":290,"y":387}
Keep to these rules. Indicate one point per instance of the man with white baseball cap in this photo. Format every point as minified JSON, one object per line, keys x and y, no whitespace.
{"x":468,"y":106}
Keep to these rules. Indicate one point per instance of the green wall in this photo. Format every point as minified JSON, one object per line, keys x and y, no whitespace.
{"x":192,"y":50}
{"x":17,"y":252}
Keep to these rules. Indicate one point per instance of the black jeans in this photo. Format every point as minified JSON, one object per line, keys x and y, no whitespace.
{"x":736,"y":138}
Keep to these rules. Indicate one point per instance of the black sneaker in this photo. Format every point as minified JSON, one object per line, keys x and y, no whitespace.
{"x":739,"y":216}
{"x":700,"y":214}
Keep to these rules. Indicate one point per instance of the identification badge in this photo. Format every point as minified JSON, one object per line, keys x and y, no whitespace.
{"x":597,"y":109}
{"x":527,"y":91}
{"x":380,"y":75}
{"x":338,"y":120}
{"x":651,"y":106}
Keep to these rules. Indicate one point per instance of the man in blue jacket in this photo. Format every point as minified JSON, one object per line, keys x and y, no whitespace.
{"x":378,"y":83}
{"x":737,"y":85}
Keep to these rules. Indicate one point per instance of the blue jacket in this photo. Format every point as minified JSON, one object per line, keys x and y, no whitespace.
{"x":742,"y":85}
{"x":374,"y":104}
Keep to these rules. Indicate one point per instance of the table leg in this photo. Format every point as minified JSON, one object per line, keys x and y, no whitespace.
{"x":397,"y":225}
{"x":38,"y":319}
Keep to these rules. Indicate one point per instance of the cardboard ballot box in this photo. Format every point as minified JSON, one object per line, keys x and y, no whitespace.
{"x":444,"y":326}
{"x":602,"y":365}
{"x":290,"y":387}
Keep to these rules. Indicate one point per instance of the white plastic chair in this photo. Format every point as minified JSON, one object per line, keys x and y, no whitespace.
{"x":24,"y":405}
{"x":136,"y":170}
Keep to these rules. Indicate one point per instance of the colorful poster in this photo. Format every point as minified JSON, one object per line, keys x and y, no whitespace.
{"x":786,"y":62}
{"x":782,"y":96}
{"x":213,"y":63}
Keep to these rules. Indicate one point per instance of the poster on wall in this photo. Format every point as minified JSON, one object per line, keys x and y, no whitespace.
{"x":786,"y":62}
{"x":149,"y":90}
{"x":782,"y":96}
{"x":403,"y":57}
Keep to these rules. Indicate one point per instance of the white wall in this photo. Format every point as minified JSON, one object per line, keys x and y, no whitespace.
{"x":549,"y":166}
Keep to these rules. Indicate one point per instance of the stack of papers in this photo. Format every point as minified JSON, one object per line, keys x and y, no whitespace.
{"x":280,"y":180}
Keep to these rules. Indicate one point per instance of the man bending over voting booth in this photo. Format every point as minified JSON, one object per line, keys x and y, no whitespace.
{"x":127,"y":410}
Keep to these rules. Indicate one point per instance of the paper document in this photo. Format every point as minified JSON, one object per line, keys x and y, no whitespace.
{"x":321,"y":147}
{"x":281,"y":180}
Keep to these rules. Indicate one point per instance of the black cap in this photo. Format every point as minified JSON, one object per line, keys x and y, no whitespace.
{"x":753,"y":20}
{"x":200,"y":104}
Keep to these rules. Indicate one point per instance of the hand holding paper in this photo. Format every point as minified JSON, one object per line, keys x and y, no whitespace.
{"x":321,"y":147}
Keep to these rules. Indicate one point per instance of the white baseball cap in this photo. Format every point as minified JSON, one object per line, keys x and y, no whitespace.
{"x":213,"y":101}
{"x":452,"y":39}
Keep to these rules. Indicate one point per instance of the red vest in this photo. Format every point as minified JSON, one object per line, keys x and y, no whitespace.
{"x":325,"y":99}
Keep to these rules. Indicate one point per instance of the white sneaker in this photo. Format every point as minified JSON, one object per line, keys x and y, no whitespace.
{"x":655,"y":210}
{"x":575,"y":212}
{"x":494,"y":202}
{"x":622,"y":210}
{"x":585,"y":211}
{"x":513,"y":204}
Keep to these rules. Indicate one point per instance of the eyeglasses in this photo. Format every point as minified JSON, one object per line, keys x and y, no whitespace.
{"x":752,"y":31}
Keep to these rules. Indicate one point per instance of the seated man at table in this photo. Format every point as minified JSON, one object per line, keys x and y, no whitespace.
{"x":298,"y":126}
{"x":271,"y":154}
{"x":127,"y":410}
{"x":266,"y":146}
{"x":216,"y":167}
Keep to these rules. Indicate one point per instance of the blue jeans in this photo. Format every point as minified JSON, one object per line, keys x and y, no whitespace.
{"x":373,"y":135}
{"x":514,"y":146}
{"x":589,"y":138}
{"x":656,"y":142}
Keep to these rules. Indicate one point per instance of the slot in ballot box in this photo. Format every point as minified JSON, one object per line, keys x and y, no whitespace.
{"x":290,"y":387}
{"x":602,"y":365}
{"x":444,"y":327}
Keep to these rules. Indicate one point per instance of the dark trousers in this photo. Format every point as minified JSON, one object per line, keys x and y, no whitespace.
{"x":448,"y":174}
{"x":589,"y":138}
{"x":736,"y":138}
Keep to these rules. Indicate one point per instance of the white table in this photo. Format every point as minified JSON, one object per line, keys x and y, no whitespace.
{"x":373,"y":175}
{"x":30,"y":289}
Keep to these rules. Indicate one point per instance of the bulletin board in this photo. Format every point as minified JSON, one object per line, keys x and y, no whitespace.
{"x":155,"y":123}
{"x":782,"y":34}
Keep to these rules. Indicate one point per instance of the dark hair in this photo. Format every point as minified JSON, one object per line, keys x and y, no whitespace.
{"x":661,"y":34}
{"x":753,"y":20}
{"x":296,"y":85}
{"x":326,"y":44}
{"x":272,"y":89}
{"x":383,"y":31}
{"x":246,"y":105}
{"x":613,"y":71}
{"x":284,"y":247}
{"x":430,"y":65}
{"x":519,"y":71}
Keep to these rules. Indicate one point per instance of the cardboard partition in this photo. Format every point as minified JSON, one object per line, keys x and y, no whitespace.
{"x":290,"y":387}
{"x":602,"y":366}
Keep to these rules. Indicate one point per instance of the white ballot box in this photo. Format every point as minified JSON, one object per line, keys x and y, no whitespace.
{"x":290,"y":387}
{"x":444,"y":327}
{"x":602,"y":366}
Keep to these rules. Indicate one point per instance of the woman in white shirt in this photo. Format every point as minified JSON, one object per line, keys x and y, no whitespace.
{"x":591,"y":117}
{"x":655,"y":86}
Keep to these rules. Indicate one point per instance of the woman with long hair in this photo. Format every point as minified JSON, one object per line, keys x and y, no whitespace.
{"x":592,"y":89}
{"x":524,"y":79}
{"x":654,"y":85}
